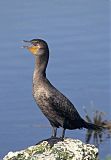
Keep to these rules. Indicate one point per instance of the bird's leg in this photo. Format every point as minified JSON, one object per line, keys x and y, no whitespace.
{"x":54,"y":131}
{"x":63,"y":133}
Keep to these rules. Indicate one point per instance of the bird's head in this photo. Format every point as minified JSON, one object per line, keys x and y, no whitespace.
{"x":36,"y":46}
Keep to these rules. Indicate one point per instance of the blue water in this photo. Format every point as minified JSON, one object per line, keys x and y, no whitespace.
{"x":78,"y":36}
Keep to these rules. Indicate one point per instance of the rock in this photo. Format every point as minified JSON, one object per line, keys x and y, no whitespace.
{"x":55,"y":149}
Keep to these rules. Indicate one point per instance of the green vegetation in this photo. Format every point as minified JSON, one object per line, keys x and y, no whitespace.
{"x":108,"y":158}
{"x":62,"y":155}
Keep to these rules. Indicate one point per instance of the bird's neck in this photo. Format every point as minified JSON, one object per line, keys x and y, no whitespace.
{"x":40,"y":67}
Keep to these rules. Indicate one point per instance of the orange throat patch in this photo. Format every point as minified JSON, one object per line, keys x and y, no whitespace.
{"x":33,"y":49}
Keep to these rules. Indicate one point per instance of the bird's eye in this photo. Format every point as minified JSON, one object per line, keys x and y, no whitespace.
{"x":35,"y":43}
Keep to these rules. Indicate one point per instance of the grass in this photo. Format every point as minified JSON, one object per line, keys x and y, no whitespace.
{"x":98,"y":118}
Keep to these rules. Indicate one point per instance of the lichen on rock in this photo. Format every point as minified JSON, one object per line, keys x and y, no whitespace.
{"x":69,"y":149}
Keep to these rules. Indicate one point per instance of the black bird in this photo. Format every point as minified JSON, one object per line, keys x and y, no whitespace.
{"x":55,"y":106}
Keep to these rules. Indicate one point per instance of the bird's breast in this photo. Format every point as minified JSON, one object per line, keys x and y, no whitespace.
{"x":39,"y":91}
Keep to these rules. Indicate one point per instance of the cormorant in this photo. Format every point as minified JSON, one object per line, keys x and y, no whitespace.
{"x":55,"y":106}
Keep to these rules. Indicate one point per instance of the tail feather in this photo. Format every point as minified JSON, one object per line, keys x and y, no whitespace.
{"x":92,"y":126}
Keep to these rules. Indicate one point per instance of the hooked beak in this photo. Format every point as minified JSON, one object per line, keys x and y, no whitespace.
{"x":29,"y":44}
{"x":31,"y":47}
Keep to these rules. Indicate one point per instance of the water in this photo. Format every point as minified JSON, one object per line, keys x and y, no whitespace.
{"x":78,"y":36}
